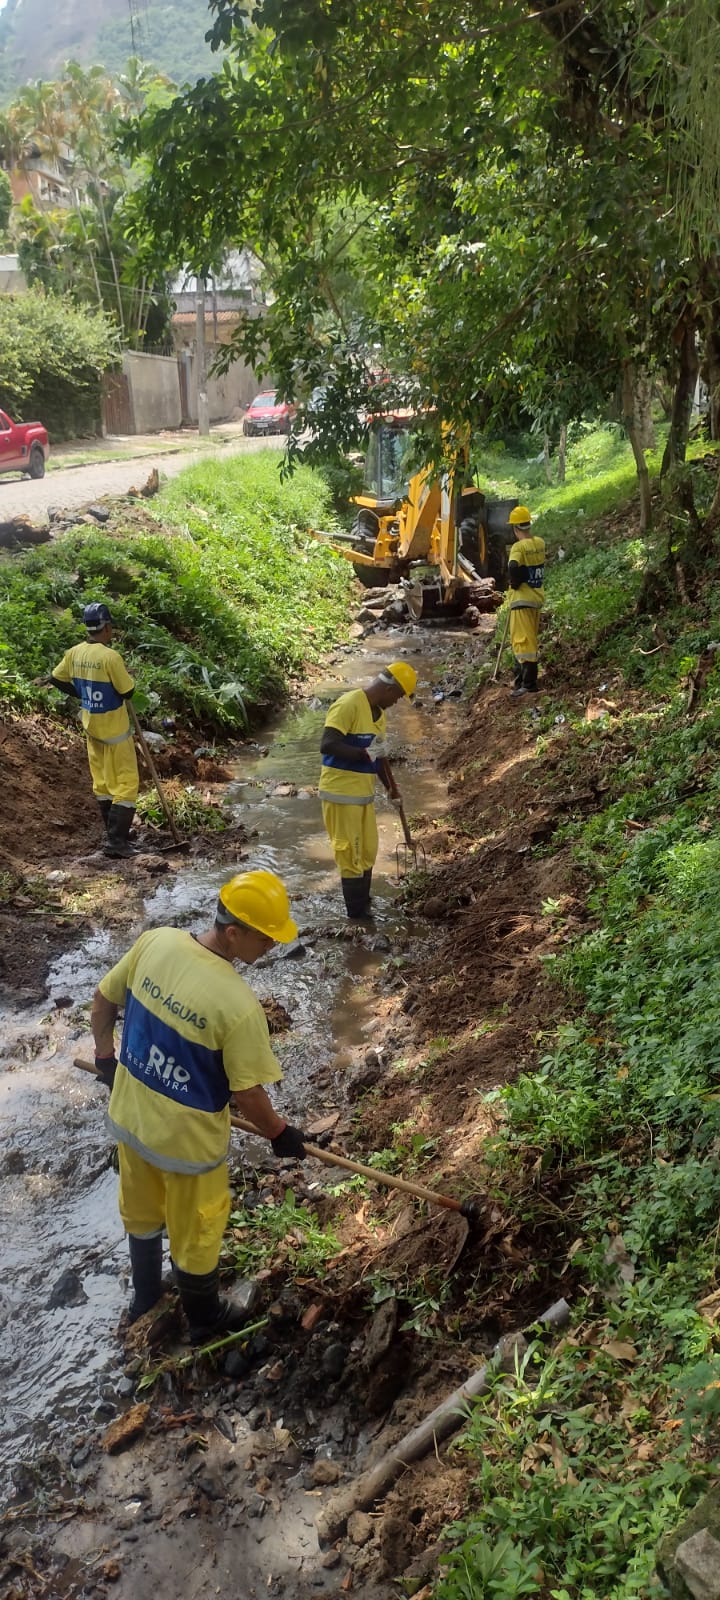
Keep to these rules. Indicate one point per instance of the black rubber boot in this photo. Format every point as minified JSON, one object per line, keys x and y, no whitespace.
{"x":518,"y":687}
{"x":530,"y":677}
{"x":104,"y":805}
{"x":367,"y":880}
{"x":118,"y":829}
{"x":355,"y":897}
{"x":209,"y":1313}
{"x":146,"y":1264}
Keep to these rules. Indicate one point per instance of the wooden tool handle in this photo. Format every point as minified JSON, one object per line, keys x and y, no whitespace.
{"x":407,"y":836}
{"x":331,"y":1158}
{"x":152,"y":769}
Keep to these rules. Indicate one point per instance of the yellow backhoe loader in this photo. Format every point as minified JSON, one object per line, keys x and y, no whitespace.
{"x":434,"y":532}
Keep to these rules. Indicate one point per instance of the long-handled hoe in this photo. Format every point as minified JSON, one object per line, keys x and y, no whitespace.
{"x":331,"y":1158}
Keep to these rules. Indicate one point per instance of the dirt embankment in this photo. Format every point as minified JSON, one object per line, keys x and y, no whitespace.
{"x":54,"y":879}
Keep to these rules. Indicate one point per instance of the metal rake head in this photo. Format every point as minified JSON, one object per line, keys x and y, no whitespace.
{"x":409,"y":858}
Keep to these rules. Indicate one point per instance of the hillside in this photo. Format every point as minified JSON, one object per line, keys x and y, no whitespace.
{"x":36,"y":39}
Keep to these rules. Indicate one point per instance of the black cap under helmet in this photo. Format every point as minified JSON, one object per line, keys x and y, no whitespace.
{"x":96,"y":617}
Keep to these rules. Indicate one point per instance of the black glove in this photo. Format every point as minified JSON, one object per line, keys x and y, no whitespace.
{"x":105,"y":1067}
{"x":289,"y":1143}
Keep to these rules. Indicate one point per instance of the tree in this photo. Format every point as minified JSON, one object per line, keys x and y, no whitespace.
{"x":519,"y":251}
{"x":83,"y":249}
{"x":6,"y":201}
{"x":52,"y":354}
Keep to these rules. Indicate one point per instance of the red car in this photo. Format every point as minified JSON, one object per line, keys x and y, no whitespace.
{"x":24,"y":447}
{"x":267,"y":414}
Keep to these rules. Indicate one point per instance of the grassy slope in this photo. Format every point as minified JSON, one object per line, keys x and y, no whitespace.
{"x":219,"y":596}
{"x":587,"y":1457}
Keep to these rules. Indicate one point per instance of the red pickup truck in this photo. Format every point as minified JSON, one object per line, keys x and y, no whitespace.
{"x":24,"y":447}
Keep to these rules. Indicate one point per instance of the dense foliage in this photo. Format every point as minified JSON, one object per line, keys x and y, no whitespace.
{"x":480,"y":197}
{"x":589,"y":1452}
{"x":220,"y":597}
{"x":78,"y":246}
{"x":52,"y":354}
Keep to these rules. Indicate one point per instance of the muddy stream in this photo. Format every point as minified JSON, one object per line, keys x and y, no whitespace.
{"x":64,"y":1256}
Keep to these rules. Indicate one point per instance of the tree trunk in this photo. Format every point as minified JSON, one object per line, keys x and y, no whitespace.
{"x":683,"y":395}
{"x":562,"y":453}
{"x":643,"y":409}
{"x":711,"y":371}
{"x":630,"y":419}
{"x":201,"y":360}
{"x":546,"y":457}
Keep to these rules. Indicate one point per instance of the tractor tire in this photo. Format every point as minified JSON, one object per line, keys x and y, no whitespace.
{"x":36,"y":464}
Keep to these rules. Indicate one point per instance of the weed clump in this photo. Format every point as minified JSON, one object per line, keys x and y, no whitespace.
{"x":219,"y":595}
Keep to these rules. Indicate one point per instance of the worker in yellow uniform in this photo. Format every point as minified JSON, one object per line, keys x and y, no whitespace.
{"x":97,"y":676}
{"x":353,"y":754}
{"x":526,"y":571}
{"x":194,"y":1040}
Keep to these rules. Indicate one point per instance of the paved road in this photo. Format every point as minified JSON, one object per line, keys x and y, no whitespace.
{"x":75,"y":486}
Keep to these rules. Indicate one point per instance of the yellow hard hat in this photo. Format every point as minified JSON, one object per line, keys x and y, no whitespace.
{"x":519,"y":517}
{"x":260,"y":900}
{"x":403,"y":674}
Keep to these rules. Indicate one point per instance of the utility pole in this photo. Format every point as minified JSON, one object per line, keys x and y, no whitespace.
{"x":203,"y":410}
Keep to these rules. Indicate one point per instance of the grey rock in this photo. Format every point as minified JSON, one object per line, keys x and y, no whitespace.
{"x":236,"y":1364}
{"x":333,"y":1360}
{"x":100,"y":513}
{"x":246,"y":1295}
{"x":125,"y":1387}
{"x":67,"y":1291}
{"x":364,"y":1078}
{"x":210,"y":1486}
{"x":697,"y":1561}
{"x":155,"y":741}
{"x":381,"y":1334}
{"x":704,"y":1516}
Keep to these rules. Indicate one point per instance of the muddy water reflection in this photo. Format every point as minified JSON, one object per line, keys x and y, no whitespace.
{"x":58,"y":1208}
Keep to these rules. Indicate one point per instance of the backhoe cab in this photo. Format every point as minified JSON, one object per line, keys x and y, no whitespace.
{"x":436,"y":533}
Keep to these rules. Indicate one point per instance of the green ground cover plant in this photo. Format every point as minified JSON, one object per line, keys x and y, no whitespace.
{"x":590,"y":1451}
{"x":219,"y":595}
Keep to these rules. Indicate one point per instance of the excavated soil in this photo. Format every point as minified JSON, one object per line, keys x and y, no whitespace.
{"x":51,"y":840}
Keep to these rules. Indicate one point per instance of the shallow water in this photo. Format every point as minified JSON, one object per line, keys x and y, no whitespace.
{"x":58,"y":1207}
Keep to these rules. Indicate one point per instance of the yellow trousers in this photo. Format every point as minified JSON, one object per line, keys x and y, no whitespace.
{"x":524,"y":632}
{"x":353,"y":834}
{"x":192,"y":1207}
{"x":114,"y":770}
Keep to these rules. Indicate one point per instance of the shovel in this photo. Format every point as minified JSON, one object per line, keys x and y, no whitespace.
{"x":406,"y":855}
{"x":154,"y":774}
{"x":330,"y":1158}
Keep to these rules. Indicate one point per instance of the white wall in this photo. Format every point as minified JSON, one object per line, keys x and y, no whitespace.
{"x":154,"y":391}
